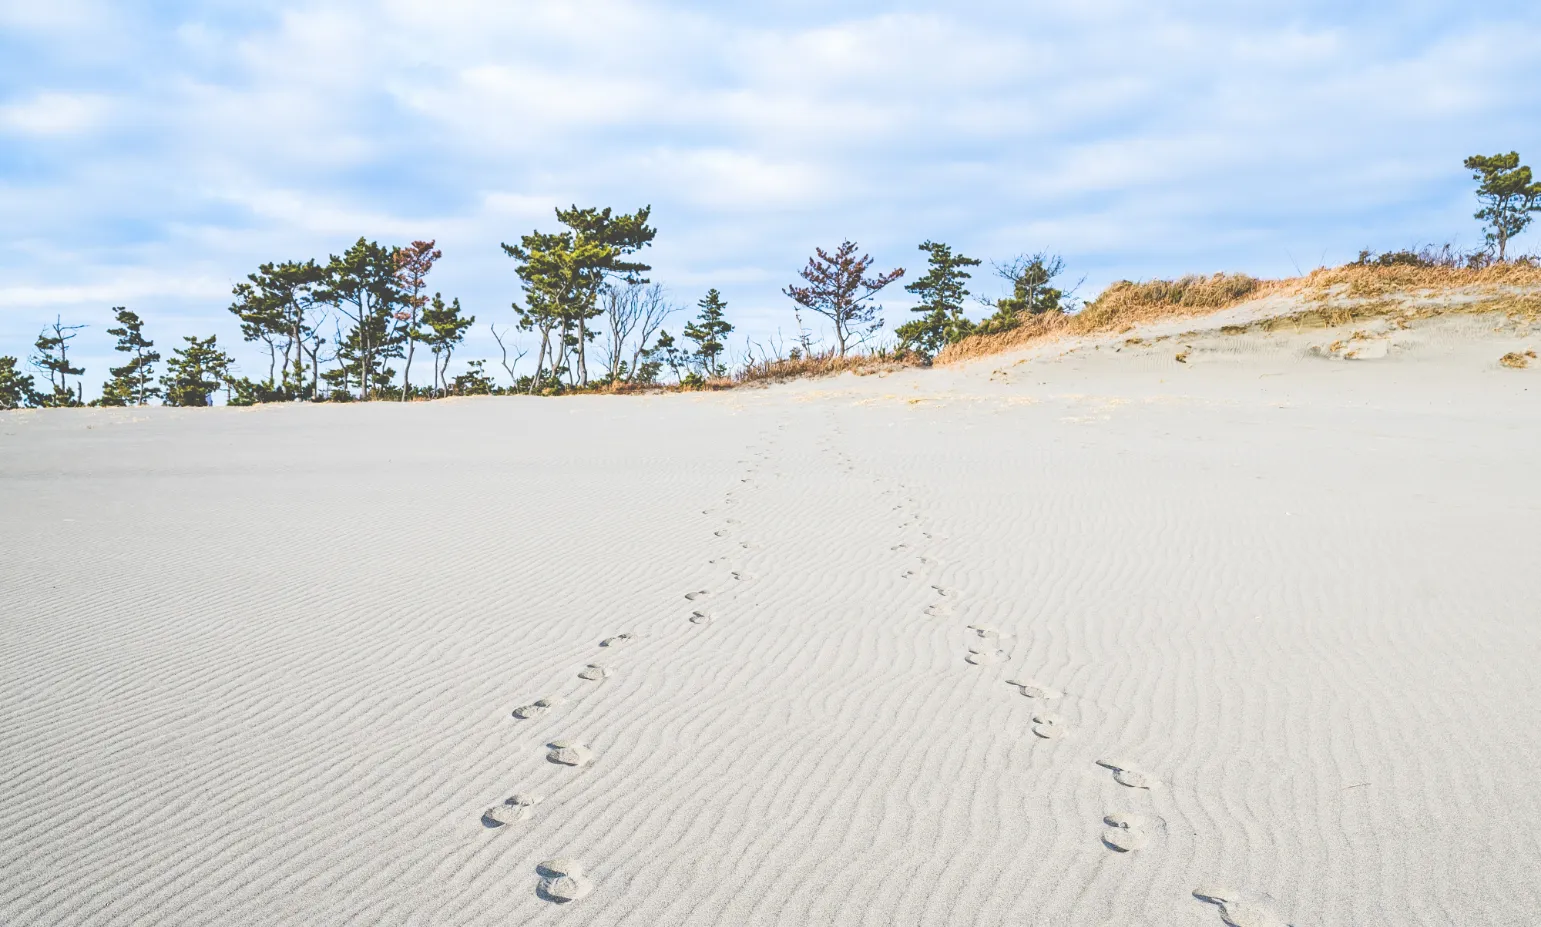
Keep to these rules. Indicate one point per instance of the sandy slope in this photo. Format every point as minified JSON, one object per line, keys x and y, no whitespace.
{"x":259,"y":666}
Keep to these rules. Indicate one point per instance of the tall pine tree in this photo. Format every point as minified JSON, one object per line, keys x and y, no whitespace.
{"x":131,"y":384}
{"x":708,"y":332}
{"x":942,"y":292}
{"x":53,"y":358}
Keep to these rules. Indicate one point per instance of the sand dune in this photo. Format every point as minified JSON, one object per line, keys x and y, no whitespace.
{"x":1085,"y":635}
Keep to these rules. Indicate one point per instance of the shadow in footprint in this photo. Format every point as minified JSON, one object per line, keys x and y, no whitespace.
{"x":536,"y":708}
{"x":1126,"y":833}
{"x":1127,"y":774}
{"x":517,"y":808}
{"x":569,"y":753}
{"x":562,"y":881}
{"x":1239,"y":911}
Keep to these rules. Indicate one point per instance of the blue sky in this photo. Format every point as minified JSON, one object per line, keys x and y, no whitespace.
{"x":152,"y":154}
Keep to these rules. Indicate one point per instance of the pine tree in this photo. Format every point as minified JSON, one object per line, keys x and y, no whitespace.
{"x":1031,"y":294}
{"x":195,"y":372}
{"x":942,"y":292}
{"x":17,"y":389}
{"x":443,"y":330}
{"x":839,"y":289}
{"x":1504,"y":185}
{"x":413,"y":264}
{"x":53,"y":358}
{"x":708,"y":333}
{"x":131,"y":384}
{"x":363,"y":286}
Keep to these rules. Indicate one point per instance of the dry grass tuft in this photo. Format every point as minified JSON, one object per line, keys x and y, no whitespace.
{"x":1517,"y":360}
{"x":1121,"y":306}
{"x":818,"y":364}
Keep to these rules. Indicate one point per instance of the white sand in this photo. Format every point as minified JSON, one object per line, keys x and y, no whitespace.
{"x":259,"y":666}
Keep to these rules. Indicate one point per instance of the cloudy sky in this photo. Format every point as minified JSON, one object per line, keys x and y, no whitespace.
{"x":152,"y":154}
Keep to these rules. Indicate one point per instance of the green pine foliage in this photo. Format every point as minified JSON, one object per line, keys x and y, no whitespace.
{"x":942,"y":292}
{"x":442,"y":329}
{"x":133,"y":384}
{"x":53,"y":358}
{"x":708,"y":332}
{"x":362,"y":285}
{"x":195,"y":372}
{"x":17,"y":389}
{"x":1030,"y":276}
{"x":1508,"y":194}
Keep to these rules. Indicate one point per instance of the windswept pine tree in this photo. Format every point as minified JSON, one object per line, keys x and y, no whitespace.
{"x":17,"y":389}
{"x":1509,"y":196}
{"x":562,"y":274}
{"x":276,"y":306}
{"x":942,"y":292}
{"x":362,"y":285}
{"x":708,"y":331}
{"x":839,"y":289}
{"x":443,"y":329}
{"x":53,"y":358}
{"x":413,"y":264}
{"x":195,"y":372}
{"x":132,"y":384}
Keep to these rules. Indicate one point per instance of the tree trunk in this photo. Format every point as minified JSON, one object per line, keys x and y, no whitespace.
{"x":406,"y":371}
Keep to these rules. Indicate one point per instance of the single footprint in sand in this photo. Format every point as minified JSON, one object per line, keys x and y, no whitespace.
{"x":941,"y":590}
{"x":1035,"y":689}
{"x":569,"y":753}
{"x":1126,"y":773}
{"x":939,"y":610}
{"x":720,"y":534}
{"x":984,"y":655}
{"x":594,"y":672}
{"x":512,"y":809}
{"x":562,"y":881}
{"x":1048,"y":725}
{"x":700,"y":618}
{"x":741,"y":576}
{"x":1238,"y":911}
{"x":699,"y":593}
{"x":906,"y":574}
{"x":989,"y":632}
{"x":1128,"y":832}
{"x":900,"y":547}
{"x":618,"y":640}
{"x":536,"y":708}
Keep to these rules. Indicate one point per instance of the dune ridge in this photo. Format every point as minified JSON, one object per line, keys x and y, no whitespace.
{"x":263,"y":665}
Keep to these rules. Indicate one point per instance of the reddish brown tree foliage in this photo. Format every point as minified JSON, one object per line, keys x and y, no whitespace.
{"x":412,"y":266}
{"x":840,"y":290}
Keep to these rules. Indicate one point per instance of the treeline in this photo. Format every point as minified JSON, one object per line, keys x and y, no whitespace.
{"x":333,"y":331}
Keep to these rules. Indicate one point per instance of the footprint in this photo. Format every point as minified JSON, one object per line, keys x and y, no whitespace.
{"x":1034,"y":689}
{"x":536,"y":708}
{"x":1128,"y":832}
{"x":618,"y":640}
{"x":1048,"y":725}
{"x":942,"y":591}
{"x":692,"y":596}
{"x":569,"y":753}
{"x":984,"y":656}
{"x":562,"y":881}
{"x":1237,"y":911}
{"x":700,"y":618}
{"x":939,"y":610}
{"x":594,"y":672}
{"x":990,"y":632}
{"x":512,"y":809}
{"x":906,"y":574}
{"x":741,"y":576}
{"x":1126,"y":773}
{"x":720,"y":533}
{"x":900,"y":547}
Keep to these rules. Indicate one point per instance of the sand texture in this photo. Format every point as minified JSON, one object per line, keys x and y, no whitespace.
{"x":1271,"y":617}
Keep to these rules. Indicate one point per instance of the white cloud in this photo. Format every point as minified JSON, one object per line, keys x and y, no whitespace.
{"x":54,"y":113}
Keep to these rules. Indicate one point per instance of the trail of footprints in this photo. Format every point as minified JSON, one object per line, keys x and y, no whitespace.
{"x":1122,"y":832}
{"x":563,"y":880}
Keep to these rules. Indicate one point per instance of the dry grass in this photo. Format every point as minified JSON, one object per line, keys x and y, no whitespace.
{"x":1336,"y":296}
{"x":1371,"y":281}
{"x":1517,"y":360}
{"x":1120,"y":306}
{"x":819,"y":364}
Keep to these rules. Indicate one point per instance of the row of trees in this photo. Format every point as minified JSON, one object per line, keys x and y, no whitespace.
{"x":333,"y":330}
